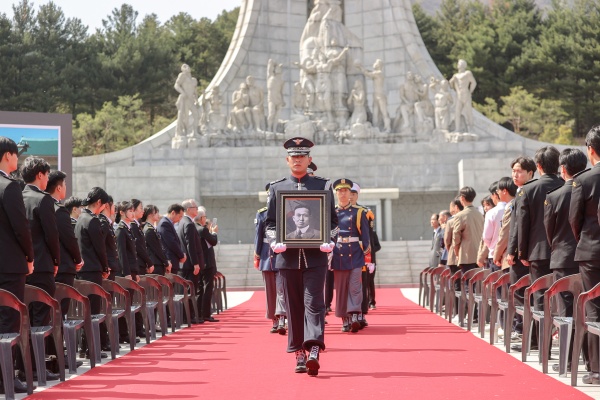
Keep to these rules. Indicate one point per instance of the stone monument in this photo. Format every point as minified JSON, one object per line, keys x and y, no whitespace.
{"x":315,"y":86}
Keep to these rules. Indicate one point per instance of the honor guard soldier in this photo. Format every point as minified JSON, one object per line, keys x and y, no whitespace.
{"x":264,"y":261}
{"x":353,"y":243}
{"x":302,"y":269}
{"x":368,"y":271}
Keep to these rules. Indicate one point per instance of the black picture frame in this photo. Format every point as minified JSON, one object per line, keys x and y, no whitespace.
{"x":308,"y":208}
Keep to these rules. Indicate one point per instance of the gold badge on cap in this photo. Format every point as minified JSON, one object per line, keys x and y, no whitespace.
{"x":298,"y":141}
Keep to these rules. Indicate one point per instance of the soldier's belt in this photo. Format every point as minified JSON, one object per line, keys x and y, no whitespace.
{"x":348,"y":239}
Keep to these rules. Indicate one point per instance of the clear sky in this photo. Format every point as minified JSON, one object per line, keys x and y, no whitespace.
{"x":91,"y":12}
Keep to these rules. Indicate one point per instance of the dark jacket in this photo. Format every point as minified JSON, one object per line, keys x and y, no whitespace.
{"x":110,"y":240}
{"x":170,"y":241}
{"x":558,"y":231}
{"x":16,"y":246}
{"x":127,"y":252}
{"x":262,"y":249}
{"x":143,"y":259}
{"x":532,"y":240}
{"x":190,"y":241}
{"x":583,"y":214}
{"x":70,"y":255}
{"x":90,"y":238}
{"x":208,"y":241}
{"x":154,"y":246}
{"x":39,"y":207}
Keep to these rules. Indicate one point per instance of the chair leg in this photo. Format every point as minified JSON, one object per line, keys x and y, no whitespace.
{"x":151,"y":323}
{"x":162,"y":316}
{"x":565,"y":332}
{"x":541,"y":348}
{"x":493,"y":315}
{"x":508,"y":321}
{"x":8,"y":373}
{"x":114,"y":337}
{"x":577,"y":344}
{"x":526,"y":338}
{"x":131,"y":327}
{"x":96,"y":342}
{"x":545,"y":344}
{"x":39,"y":354}
{"x":71,"y":341}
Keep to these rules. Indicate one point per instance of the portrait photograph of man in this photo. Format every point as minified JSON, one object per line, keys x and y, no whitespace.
{"x":305,"y":217}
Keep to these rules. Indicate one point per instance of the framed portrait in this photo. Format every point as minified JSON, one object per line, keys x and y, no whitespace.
{"x":303,"y":219}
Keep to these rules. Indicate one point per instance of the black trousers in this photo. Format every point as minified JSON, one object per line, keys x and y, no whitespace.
{"x":159,"y":270}
{"x":9,"y":318}
{"x":590,"y":277}
{"x":305,"y":306}
{"x":537,"y":269}
{"x":364,"y":306}
{"x":67,"y":279}
{"x":517,"y":271}
{"x":206,"y":285}
{"x":189,"y":275}
{"x":328,"y":288}
{"x":371,"y":284}
{"x":38,"y":312}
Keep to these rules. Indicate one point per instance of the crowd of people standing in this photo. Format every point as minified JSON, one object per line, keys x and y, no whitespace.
{"x":46,"y":238}
{"x":536,"y":227}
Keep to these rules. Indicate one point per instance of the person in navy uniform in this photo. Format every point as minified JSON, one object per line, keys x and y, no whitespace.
{"x":302,"y":269}
{"x":264,"y":261}
{"x":353,"y":243}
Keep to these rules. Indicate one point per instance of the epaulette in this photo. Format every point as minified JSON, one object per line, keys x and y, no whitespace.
{"x":528,"y":182}
{"x":553,"y":190}
{"x":582,"y":172}
{"x":277,"y":181}
{"x":261,"y":210}
{"x":321,"y":178}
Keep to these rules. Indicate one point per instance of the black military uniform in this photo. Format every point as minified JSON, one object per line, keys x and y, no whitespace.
{"x":143,"y":259}
{"x":190,"y":242}
{"x":532,"y":239}
{"x":16,"y":248}
{"x":583,"y":217}
{"x":111,"y":246}
{"x":206,"y":279}
{"x":303,"y":270}
{"x":70,"y":255}
{"x":155,"y":249}
{"x":128,"y":266}
{"x":39,"y":207}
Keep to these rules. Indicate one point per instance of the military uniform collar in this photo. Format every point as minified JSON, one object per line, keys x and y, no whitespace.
{"x":4,"y":174}
{"x":301,"y":180}
{"x":348,"y":206}
{"x":87,"y":210}
{"x":35,"y":188}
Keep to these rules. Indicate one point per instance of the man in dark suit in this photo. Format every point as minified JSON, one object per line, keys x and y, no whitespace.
{"x":192,"y":247}
{"x":523,"y":169}
{"x":559,"y":232}
{"x":70,"y":256}
{"x":303,"y":270}
{"x":169,"y":238}
{"x":15,"y":241}
{"x":208,"y":239}
{"x":583,"y":217}
{"x":534,"y":249}
{"x":39,"y":207}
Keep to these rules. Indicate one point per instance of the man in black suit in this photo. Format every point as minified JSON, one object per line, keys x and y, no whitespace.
{"x":15,"y":241}
{"x":559,"y":232}
{"x":534,"y":249}
{"x":70,"y":256}
{"x":169,"y":238}
{"x":39,"y":207}
{"x":303,"y":270}
{"x":192,"y":247}
{"x":583,"y":217}
{"x":523,"y":169}
{"x":209,"y":239}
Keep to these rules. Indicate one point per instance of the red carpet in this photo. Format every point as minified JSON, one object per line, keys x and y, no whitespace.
{"x":405,"y":353}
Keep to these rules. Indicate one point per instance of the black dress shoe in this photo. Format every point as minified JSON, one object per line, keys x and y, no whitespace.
{"x":20,"y":387}
{"x":87,"y":355}
{"x":518,"y":347}
{"x":106,"y":347}
{"x":50,"y":376}
{"x":77,"y":363}
{"x":211,"y":319}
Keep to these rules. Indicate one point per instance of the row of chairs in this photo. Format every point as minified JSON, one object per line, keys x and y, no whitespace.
{"x":493,"y":291}
{"x":120,"y":298}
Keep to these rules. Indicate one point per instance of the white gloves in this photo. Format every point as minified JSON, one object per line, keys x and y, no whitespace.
{"x":278,"y":247}
{"x":327,"y":247}
{"x":371,"y":267}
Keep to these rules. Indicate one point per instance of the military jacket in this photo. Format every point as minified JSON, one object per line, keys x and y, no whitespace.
{"x":352,"y":241}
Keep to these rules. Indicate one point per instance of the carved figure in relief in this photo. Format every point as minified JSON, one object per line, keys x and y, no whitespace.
{"x":240,"y":102}
{"x":256,"y":112}
{"x":187,"y":105}
{"x":443,"y":100}
{"x":274,"y":94}
{"x":357,"y":103}
{"x":380,"y":111}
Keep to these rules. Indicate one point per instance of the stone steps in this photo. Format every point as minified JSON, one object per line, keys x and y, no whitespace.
{"x":398,"y":263}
